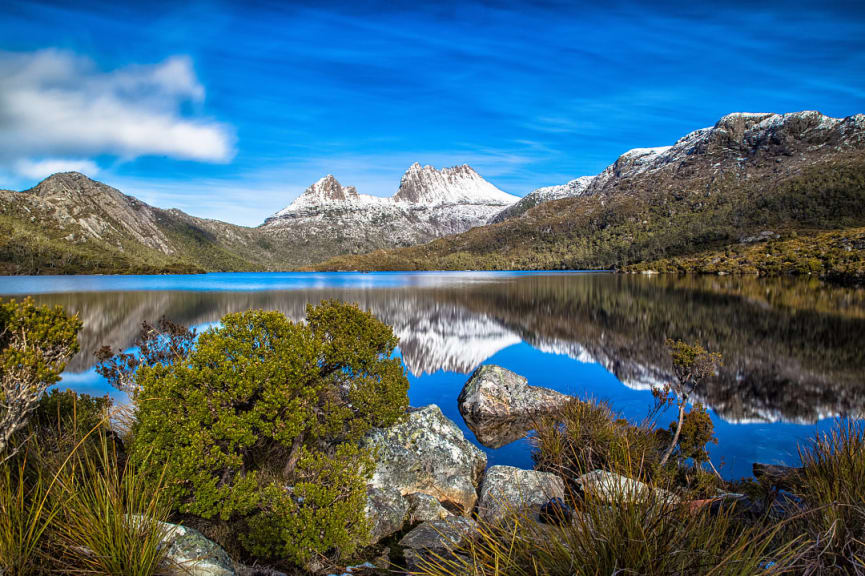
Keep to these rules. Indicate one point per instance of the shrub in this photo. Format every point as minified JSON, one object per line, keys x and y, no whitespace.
{"x":258,"y":424}
{"x":35,"y":343}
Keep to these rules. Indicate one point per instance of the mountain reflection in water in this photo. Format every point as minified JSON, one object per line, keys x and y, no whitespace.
{"x":792,"y":349}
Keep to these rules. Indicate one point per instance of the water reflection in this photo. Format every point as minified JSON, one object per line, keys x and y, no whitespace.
{"x":792,"y":349}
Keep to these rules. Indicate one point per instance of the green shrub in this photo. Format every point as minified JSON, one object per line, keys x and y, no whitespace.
{"x":258,"y":424}
{"x":35,"y":343}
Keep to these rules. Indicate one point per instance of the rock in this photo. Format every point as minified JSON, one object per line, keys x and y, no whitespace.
{"x":191,"y":554}
{"x":615,"y":488}
{"x":782,"y":477}
{"x":506,"y":489}
{"x":498,"y":405}
{"x":423,"y":508}
{"x":427,"y":453}
{"x":387,"y":512}
{"x":556,"y":512}
{"x":437,"y":538}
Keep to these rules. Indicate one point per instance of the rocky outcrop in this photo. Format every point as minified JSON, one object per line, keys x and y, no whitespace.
{"x":507,"y":490}
{"x":428,"y":453}
{"x":614,"y":488}
{"x":436,"y":539}
{"x":498,"y":405}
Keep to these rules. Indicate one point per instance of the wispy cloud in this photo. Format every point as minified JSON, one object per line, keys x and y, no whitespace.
{"x":59,"y":105}
{"x":37,"y":169}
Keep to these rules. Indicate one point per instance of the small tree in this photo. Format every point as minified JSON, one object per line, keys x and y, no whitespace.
{"x":692,"y":365}
{"x":258,"y":424}
{"x":35,"y":344}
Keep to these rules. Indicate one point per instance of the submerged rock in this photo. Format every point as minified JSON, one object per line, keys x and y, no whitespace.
{"x":436,"y":539}
{"x":614,"y":488}
{"x":506,"y":490}
{"x":498,"y":405}
{"x":427,"y":453}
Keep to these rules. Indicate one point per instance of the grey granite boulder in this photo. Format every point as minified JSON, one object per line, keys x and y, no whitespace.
{"x":614,"y":488}
{"x":426,"y":452}
{"x":436,"y":539}
{"x":506,"y":490}
{"x":498,"y":405}
{"x":423,"y":508}
{"x":387,"y":512}
{"x":191,"y":554}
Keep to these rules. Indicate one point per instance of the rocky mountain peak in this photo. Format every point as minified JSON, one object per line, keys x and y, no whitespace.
{"x":329,"y":189}
{"x":454,"y":185}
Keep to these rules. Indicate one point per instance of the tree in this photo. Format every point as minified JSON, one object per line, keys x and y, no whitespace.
{"x":692,"y":364}
{"x":35,"y":344}
{"x":258,"y":424}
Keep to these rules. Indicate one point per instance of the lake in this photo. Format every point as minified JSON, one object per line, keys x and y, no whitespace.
{"x":794,"y":352}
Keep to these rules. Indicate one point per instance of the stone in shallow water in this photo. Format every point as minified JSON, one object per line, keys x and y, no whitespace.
{"x":499,"y":406}
{"x":506,"y":490}
{"x":426,"y":452}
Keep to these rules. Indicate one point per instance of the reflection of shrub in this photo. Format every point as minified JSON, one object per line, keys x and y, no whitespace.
{"x":258,"y":425}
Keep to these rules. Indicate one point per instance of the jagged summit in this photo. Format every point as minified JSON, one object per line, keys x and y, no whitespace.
{"x":455,"y":185}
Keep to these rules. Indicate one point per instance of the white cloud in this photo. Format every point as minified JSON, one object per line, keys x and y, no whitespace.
{"x":39,"y":169}
{"x":56,"y":104}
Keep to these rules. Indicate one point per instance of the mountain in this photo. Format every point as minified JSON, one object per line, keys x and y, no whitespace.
{"x":69,"y":223}
{"x":572,"y":189}
{"x":750,"y":176}
{"x":329,"y":218}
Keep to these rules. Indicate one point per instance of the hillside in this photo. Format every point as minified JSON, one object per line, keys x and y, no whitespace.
{"x":71,"y":224}
{"x":748,"y":176}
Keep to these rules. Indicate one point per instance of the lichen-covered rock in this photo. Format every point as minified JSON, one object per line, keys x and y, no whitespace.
{"x":614,"y":488}
{"x":506,"y":490}
{"x":423,"y":508}
{"x":426,"y":452}
{"x":387,"y":512}
{"x":498,"y":405}
{"x":191,"y":554}
{"x":437,"y":538}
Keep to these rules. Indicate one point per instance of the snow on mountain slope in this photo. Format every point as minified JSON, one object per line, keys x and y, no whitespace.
{"x":333,"y":219}
{"x":572,"y":189}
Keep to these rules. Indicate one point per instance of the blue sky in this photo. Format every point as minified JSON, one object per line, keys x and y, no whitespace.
{"x":229,"y":110}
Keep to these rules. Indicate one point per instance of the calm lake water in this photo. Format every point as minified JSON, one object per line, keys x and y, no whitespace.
{"x":794,"y":351}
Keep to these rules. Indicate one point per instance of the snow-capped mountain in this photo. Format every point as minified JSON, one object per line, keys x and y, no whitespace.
{"x":735,"y":140}
{"x":332,"y":219}
{"x":572,"y":189}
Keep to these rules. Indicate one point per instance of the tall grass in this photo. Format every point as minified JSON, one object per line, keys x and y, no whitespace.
{"x":832,"y":488}
{"x":112,"y":518}
{"x":26,"y":513}
{"x":650,"y":537}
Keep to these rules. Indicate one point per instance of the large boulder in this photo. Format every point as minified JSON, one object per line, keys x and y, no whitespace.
{"x":427,"y":453}
{"x":423,"y":508}
{"x":191,"y":554}
{"x":436,"y":539}
{"x":614,"y":488}
{"x":387,"y":511}
{"x":499,"y":406}
{"x":506,"y":490}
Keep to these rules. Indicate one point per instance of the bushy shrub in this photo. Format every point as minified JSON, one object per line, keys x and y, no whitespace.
{"x":35,"y":343}
{"x":258,"y":425}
